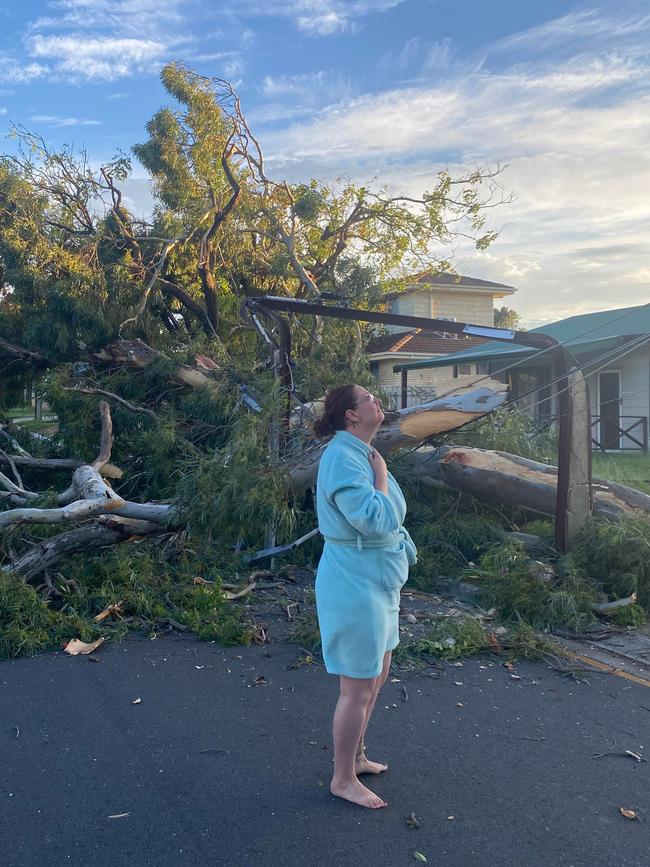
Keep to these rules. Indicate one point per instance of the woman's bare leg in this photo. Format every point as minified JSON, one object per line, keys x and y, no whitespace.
{"x":363,"y":765}
{"x":349,"y":718}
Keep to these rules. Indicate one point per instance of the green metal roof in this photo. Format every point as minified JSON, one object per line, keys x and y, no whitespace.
{"x":583,"y":334}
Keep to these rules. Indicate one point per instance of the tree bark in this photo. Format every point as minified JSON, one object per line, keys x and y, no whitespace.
{"x":35,"y":358}
{"x":87,"y":539}
{"x":504,"y":479}
{"x":135,"y":353}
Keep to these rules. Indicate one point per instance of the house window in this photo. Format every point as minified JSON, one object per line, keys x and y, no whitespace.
{"x":374,"y":368}
{"x":464,"y":369}
{"x":492,"y":368}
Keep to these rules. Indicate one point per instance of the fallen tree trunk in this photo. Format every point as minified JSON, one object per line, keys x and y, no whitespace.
{"x":606,"y":608}
{"x":87,"y":539}
{"x":503,"y":479}
{"x":409,"y":427}
{"x":35,"y":358}
{"x":135,"y":353}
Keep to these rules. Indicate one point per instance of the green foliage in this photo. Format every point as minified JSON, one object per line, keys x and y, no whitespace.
{"x":522,"y":642}
{"x":506,"y":317}
{"x":449,"y":530}
{"x":616,"y":557}
{"x":29,"y":626}
{"x":239,"y":491}
{"x":509,"y":430}
{"x":542,"y":527}
{"x":203,"y":611}
{"x":153,"y":583}
{"x":452,"y":637}
{"x":306,"y":633}
{"x":509,"y":580}
{"x":631,"y":615}
{"x":632,"y":470}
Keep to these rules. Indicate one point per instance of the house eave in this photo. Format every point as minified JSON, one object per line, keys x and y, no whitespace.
{"x":465,"y":289}
{"x":403,"y":356}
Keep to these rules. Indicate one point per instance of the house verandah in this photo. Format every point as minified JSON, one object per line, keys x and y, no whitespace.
{"x":612,"y":349}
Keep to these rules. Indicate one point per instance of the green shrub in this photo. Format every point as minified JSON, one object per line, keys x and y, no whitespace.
{"x":615,"y":555}
{"x":509,"y":580}
{"x":152,"y":582}
{"x":28,"y":625}
{"x":631,"y":615}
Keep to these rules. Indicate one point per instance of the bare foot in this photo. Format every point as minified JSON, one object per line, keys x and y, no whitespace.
{"x":365,"y":766}
{"x":358,"y":794}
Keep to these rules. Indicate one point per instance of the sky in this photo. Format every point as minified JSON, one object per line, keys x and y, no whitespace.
{"x":389,"y":91}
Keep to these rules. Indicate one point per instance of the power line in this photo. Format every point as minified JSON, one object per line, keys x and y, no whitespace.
{"x":540,"y":352}
{"x":615,"y":356}
{"x":638,"y":342}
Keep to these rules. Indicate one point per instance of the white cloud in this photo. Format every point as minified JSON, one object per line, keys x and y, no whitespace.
{"x":3,"y":110}
{"x":642,"y":275}
{"x":292,"y":96}
{"x":420,"y":54}
{"x":125,"y":17}
{"x":230,"y":64}
{"x":310,"y":85}
{"x":513,"y":111}
{"x":519,"y":266}
{"x":248,"y":38}
{"x":272,"y":112}
{"x":14,"y":72}
{"x":589,"y":25}
{"x":105,"y":58}
{"x":316,"y":17}
{"x":106,"y":40}
{"x":573,"y":132}
{"x":53,"y":120}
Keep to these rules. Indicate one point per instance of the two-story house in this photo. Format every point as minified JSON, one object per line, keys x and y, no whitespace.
{"x":435,"y":296}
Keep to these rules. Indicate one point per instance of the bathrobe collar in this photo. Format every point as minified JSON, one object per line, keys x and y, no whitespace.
{"x":346,"y":437}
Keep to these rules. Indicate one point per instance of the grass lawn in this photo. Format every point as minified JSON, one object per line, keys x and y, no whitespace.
{"x":47,"y":426}
{"x":632,"y":469}
{"x":19,"y":412}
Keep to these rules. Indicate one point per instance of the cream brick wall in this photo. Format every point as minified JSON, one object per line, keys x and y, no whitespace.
{"x":413,"y":304}
{"x":473,"y":307}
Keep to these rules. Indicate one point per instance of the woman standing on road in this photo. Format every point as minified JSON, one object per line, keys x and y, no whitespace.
{"x":363,"y":566}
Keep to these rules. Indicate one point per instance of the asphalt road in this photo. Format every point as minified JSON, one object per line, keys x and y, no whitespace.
{"x":497,"y":770}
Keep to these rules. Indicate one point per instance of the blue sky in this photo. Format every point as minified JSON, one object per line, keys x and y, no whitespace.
{"x":393,"y":90}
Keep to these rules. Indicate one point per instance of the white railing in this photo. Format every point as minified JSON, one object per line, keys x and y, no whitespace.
{"x":415,"y":394}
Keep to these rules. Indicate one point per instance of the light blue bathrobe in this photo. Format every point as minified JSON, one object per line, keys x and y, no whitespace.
{"x":364,"y":563}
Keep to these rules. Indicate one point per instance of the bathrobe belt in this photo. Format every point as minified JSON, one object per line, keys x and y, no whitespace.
{"x":363,"y":542}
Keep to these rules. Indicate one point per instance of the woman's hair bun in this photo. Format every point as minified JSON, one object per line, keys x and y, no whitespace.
{"x":337,"y":402}
{"x":323,"y":427}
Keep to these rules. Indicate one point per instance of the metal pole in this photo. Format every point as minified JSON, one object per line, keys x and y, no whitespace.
{"x":404,"y":389}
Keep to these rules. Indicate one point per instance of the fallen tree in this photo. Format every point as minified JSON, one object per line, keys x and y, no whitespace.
{"x":504,"y":479}
{"x":115,"y":520}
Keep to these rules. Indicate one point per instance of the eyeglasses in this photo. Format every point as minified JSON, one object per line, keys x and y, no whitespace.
{"x":370,"y":398}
